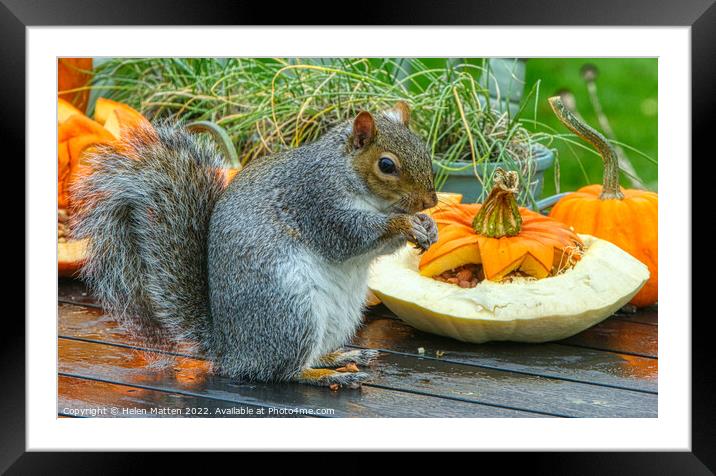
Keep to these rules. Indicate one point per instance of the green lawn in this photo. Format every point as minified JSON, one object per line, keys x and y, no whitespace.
{"x":627,"y":90}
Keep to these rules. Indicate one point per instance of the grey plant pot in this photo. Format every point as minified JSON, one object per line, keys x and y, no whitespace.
{"x":465,"y":182}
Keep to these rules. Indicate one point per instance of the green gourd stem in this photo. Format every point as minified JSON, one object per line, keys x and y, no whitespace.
{"x":499,"y":215}
{"x":220,"y":136}
{"x":610,"y":185}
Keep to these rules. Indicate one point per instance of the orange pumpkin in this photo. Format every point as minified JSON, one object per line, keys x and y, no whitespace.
{"x":628,"y":218}
{"x":74,"y":73}
{"x":500,"y":236}
{"x":118,"y":118}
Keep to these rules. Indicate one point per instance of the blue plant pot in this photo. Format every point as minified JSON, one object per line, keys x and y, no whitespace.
{"x":464,"y":181}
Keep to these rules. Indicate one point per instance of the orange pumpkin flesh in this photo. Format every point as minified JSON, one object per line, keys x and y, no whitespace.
{"x":626,"y":217}
{"x":79,"y":125}
{"x":65,"y":110}
{"x":105,"y":108}
{"x":122,"y":120}
{"x":538,"y":247}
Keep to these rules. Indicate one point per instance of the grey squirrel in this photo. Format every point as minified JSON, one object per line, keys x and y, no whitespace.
{"x":268,"y":275}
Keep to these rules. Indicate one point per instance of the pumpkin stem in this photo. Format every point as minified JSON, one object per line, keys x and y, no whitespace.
{"x":500,"y":216}
{"x":610,"y":186}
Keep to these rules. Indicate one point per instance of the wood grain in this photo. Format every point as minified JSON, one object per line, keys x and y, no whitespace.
{"x":412,"y":375}
{"x":620,"y":336}
{"x":90,"y":398}
{"x":190,"y":378}
{"x":551,"y":360}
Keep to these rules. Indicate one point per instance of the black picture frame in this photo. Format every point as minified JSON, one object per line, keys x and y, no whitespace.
{"x":16,"y":15}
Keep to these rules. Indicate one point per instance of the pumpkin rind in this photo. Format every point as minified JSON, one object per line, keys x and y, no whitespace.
{"x":523,"y":310}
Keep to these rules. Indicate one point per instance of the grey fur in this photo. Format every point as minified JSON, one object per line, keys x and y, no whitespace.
{"x":244,"y":272}
{"x":147,"y":222}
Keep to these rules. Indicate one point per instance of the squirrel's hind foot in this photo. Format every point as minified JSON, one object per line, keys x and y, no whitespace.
{"x":329,"y":377}
{"x":341,"y":358}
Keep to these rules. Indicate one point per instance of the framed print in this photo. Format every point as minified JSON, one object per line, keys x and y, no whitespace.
{"x":439,"y":233}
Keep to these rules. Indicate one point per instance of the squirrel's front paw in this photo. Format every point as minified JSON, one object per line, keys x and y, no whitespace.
{"x":424,"y":231}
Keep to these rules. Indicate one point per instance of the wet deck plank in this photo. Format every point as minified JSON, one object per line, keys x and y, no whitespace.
{"x":82,"y":397}
{"x":616,"y":335}
{"x":550,"y":360}
{"x":190,"y":378}
{"x":607,"y":371}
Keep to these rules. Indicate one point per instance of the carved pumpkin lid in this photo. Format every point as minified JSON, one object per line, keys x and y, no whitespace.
{"x":501,"y":236}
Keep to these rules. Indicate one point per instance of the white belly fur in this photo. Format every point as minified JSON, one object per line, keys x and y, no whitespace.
{"x":337,"y":295}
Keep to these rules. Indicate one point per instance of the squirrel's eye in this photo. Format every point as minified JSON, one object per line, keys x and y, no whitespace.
{"x":386,"y":165}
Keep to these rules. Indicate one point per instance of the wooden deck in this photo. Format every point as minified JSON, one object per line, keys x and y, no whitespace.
{"x":609,"y":370}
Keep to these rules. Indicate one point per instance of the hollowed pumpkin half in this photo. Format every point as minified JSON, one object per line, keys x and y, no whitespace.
{"x":522,"y":310}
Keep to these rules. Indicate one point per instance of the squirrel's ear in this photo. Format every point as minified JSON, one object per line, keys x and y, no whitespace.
{"x":363,"y":129}
{"x":400,"y":113}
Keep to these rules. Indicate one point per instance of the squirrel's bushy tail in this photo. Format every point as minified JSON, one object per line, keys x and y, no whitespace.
{"x":145,"y":206}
